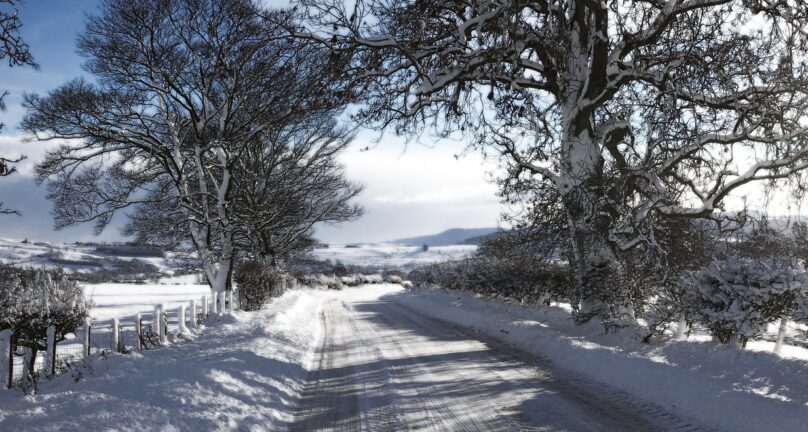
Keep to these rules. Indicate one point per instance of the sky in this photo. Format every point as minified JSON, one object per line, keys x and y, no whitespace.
{"x":412,"y":188}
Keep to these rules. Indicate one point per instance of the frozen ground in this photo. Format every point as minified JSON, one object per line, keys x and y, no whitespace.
{"x":381,"y":366}
{"x":391,"y":255}
{"x":383,"y":358}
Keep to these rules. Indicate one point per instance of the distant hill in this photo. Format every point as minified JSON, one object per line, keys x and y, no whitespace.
{"x":478,"y":240}
{"x":452,"y":236}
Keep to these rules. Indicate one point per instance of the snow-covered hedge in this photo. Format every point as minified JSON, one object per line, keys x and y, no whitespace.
{"x":258,"y":282}
{"x":521,"y":280}
{"x":737,"y":299}
{"x":31,"y":300}
{"x":319,"y":280}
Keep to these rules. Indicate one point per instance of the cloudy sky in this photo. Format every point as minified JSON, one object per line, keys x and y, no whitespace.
{"x":411,"y":188}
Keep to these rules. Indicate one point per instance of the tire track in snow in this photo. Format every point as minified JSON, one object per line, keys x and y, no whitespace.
{"x":383,"y":367}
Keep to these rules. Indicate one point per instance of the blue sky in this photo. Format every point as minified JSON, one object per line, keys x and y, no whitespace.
{"x":412,"y":189}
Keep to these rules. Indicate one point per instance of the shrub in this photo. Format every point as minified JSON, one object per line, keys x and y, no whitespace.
{"x":258,"y":282}
{"x":525,"y":281}
{"x":31,"y":300}
{"x":393,"y":279}
{"x":320,"y":280}
{"x":737,"y":299}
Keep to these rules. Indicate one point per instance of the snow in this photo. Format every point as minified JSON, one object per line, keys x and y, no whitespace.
{"x":392,"y":255}
{"x":114,"y":300}
{"x":242,"y":372}
{"x":720,"y":386}
{"x":245,"y":371}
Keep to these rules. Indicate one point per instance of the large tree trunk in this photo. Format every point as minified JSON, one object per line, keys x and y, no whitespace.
{"x":599,"y":291}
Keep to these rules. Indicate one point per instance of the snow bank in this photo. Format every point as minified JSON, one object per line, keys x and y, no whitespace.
{"x":722,"y":387}
{"x":243,"y":372}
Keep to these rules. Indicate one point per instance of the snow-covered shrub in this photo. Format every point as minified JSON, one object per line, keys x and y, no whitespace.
{"x":31,"y":300}
{"x":737,"y":299}
{"x":393,"y":279}
{"x":258,"y":282}
{"x":525,"y":281}
{"x":668,"y":307}
{"x":320,"y":280}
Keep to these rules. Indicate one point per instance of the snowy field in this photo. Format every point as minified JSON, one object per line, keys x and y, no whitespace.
{"x":111,"y":300}
{"x":114,"y":300}
{"x":37,"y":255}
{"x":392,"y":255}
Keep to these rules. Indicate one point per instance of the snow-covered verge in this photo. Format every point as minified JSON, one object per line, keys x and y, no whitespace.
{"x":242,"y":372}
{"x":722,"y":387}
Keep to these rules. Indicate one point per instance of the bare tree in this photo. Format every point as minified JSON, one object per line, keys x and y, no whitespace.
{"x":295,"y":181}
{"x":616,"y":111}
{"x":288,"y":181}
{"x":184,"y":89}
{"x":15,"y":51}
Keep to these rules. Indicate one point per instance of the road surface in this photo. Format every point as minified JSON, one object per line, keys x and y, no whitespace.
{"x":383,"y":367}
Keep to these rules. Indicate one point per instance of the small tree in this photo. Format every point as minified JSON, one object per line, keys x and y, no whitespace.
{"x":31,"y":300}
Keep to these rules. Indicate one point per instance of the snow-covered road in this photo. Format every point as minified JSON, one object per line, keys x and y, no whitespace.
{"x":382,"y":366}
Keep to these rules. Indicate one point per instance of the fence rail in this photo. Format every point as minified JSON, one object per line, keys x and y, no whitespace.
{"x":142,"y":331}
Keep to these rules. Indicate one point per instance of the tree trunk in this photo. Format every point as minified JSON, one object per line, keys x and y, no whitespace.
{"x":599,"y":290}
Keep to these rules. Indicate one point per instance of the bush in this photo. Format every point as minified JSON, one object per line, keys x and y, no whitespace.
{"x":525,"y":281}
{"x":258,"y":282}
{"x":737,"y":299}
{"x":393,"y":279}
{"x":31,"y":300}
{"x":320,"y":280}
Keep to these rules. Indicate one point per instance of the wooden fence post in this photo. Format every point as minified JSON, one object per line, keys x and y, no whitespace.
{"x":116,"y":335}
{"x":205,"y":306}
{"x":85,"y":340}
{"x":781,"y":333}
{"x":164,"y":323}
{"x":7,"y":355}
{"x":157,"y":323}
{"x":193,"y":315}
{"x":139,"y":331}
{"x":214,"y":303}
{"x":222,"y":302}
{"x":181,"y":319}
{"x":230,"y":306}
{"x":50,"y":354}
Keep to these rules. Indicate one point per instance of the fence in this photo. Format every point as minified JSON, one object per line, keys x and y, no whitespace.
{"x":142,"y":331}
